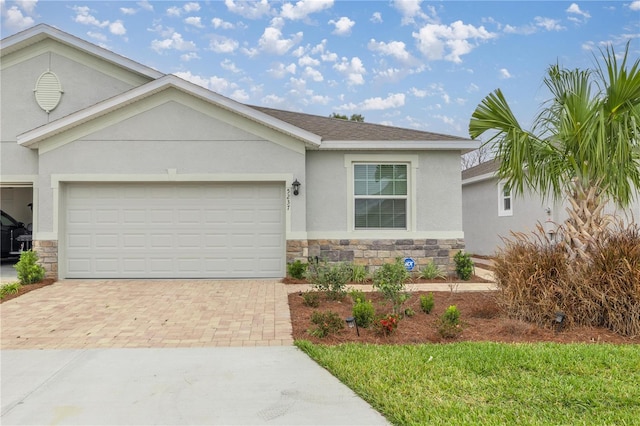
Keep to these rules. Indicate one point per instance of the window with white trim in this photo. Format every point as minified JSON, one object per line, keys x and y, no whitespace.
{"x":380,"y":196}
{"x":505,"y":200}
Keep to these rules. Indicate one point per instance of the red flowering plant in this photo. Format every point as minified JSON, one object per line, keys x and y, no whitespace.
{"x":387,"y":324}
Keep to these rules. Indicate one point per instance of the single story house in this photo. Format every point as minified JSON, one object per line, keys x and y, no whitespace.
{"x":134,"y":173}
{"x":490,"y":211}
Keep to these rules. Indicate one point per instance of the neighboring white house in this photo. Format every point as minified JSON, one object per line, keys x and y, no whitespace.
{"x":134,"y":173}
{"x":490,"y":211}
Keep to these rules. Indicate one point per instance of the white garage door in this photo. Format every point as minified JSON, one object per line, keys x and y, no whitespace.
{"x":204,"y":230}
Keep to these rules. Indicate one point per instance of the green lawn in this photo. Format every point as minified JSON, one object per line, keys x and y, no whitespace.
{"x":490,"y":383}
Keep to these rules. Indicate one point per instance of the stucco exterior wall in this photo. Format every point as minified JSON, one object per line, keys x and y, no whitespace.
{"x":150,"y":144}
{"x":437,"y":195}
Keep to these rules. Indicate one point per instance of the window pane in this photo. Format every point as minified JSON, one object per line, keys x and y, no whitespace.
{"x":380,"y":213}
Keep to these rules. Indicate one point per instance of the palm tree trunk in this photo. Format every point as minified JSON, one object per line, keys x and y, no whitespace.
{"x":587,"y":221}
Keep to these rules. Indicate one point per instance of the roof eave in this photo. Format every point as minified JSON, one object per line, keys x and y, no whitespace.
{"x":42,"y":31}
{"x":357,"y":145}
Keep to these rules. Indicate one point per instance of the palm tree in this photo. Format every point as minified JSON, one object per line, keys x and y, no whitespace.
{"x":584,"y":144}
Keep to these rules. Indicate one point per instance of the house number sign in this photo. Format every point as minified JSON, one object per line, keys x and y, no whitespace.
{"x":288,"y":199}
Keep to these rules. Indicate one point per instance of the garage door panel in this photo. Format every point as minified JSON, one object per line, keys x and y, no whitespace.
{"x":221,"y":230}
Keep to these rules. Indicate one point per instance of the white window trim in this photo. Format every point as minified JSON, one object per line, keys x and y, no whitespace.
{"x":501,"y":210}
{"x":412,"y":165}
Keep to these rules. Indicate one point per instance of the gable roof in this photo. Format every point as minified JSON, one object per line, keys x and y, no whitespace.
{"x":42,"y":32}
{"x":33,"y":137}
{"x":482,"y":171}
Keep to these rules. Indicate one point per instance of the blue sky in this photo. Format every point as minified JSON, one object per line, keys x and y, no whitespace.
{"x":416,"y":64}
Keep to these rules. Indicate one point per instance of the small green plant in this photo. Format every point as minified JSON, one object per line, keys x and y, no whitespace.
{"x":311,"y":299}
{"x":325,"y":323}
{"x":409,"y":312}
{"x":28,"y":270}
{"x":431,"y":271}
{"x":449,"y":326}
{"x":296,"y":269}
{"x":356,"y":295}
{"x":464,"y":265}
{"x":330,"y":278}
{"x":387,"y":324}
{"x":8,"y":289}
{"x":427,"y":303}
{"x":358,"y":273}
{"x":389,"y":279}
{"x":363,"y":312}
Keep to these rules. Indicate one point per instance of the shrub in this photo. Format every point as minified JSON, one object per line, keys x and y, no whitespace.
{"x":28,"y":270}
{"x":358,"y":273}
{"x":464,"y":265}
{"x":296,"y":269}
{"x":427,"y":303}
{"x":537,"y":278}
{"x":449,"y":325}
{"x":326,"y":323}
{"x":311,"y":299}
{"x":363,"y":312}
{"x":389,"y":279}
{"x":356,"y":295}
{"x":8,"y":289}
{"x":387,"y":324}
{"x":431,"y":271}
{"x":409,"y":312}
{"x":330,"y":278}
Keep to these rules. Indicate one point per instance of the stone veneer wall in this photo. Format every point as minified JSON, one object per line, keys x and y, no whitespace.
{"x":48,"y":256}
{"x":373,"y":253}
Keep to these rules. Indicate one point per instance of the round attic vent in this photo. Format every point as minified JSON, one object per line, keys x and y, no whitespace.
{"x":48,"y":91}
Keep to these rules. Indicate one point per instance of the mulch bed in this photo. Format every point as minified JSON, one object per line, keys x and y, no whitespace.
{"x":27,"y":288}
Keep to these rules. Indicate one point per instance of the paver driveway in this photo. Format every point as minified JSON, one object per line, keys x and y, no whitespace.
{"x":148,"y":314}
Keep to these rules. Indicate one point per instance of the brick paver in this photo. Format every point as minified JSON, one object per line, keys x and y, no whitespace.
{"x":147,"y":313}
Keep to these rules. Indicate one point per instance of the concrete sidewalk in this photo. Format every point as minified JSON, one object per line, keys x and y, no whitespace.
{"x":176,"y":386}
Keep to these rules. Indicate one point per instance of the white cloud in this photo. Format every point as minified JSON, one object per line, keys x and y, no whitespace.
{"x":249,"y":9}
{"x":635,"y":5}
{"x":313,"y":74}
{"x":504,"y":73}
{"x":27,"y":6}
{"x":394,"y":100}
{"x":548,"y":24}
{"x":418,"y":93}
{"x":325,"y":55}
{"x":144,"y":4}
{"x":280,"y":70}
{"x":525,"y":29}
{"x":229,"y":65}
{"x":195,"y":21}
{"x":191,"y":7}
{"x":220,"y":44}
{"x":376,"y":18}
{"x":307,"y":60}
{"x":219,"y":23}
{"x":215,"y":83}
{"x":271,"y":41}
{"x":117,"y":28}
{"x":410,"y":9}
{"x":97,"y":36}
{"x":240,"y":95}
{"x":395,"y":49}
{"x":189,"y":56}
{"x":575,"y":9}
{"x":343,"y":26}
{"x":352,"y":69}
{"x":128,"y":10}
{"x":174,"y":11}
{"x":450,"y":42}
{"x":303,"y":8}
{"x":273,"y":100}
{"x":174,"y":42}
{"x":83,"y":16}
{"x":319,"y":100}
{"x":14,"y":19}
